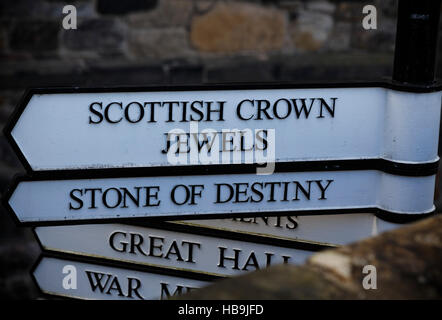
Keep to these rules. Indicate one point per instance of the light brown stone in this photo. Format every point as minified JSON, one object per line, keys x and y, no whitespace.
{"x":321,"y":6}
{"x":340,"y":37}
{"x":304,"y":40}
{"x":311,"y":30}
{"x":169,"y":13}
{"x":236,"y":27}
{"x":408,"y":264}
{"x":159,"y":44}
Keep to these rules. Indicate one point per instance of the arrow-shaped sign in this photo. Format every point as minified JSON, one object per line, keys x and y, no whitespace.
{"x":74,"y":278}
{"x":69,"y":129}
{"x":191,"y":249}
{"x":42,"y":200}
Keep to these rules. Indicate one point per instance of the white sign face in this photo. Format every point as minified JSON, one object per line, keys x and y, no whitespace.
{"x":335,"y":229}
{"x":82,"y":280}
{"x":81,"y":130}
{"x":218,"y":195}
{"x":169,"y":249}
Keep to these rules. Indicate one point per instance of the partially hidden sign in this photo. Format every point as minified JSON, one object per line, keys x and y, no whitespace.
{"x":334,"y":229}
{"x":168,"y":246}
{"x":74,"y":278}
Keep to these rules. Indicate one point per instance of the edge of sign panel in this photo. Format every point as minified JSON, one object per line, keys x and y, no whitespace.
{"x":114,"y":264}
{"x":382,"y":165}
{"x":239,"y":235}
{"x":389,"y":216}
{"x":200,"y":231}
{"x":224,"y":234}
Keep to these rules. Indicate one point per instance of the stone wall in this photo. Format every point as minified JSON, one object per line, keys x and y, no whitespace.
{"x":407,"y":261}
{"x":188,"y":30}
{"x":193,"y":41}
{"x":272,"y":40}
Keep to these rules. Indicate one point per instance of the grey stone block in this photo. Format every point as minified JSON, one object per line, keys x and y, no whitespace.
{"x":35,"y":36}
{"x":105,"y":36}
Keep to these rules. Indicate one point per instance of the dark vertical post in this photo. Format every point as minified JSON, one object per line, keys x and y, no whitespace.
{"x":416,"y":41}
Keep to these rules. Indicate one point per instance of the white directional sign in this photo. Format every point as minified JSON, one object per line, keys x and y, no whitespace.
{"x":200,"y":196}
{"x":84,"y":280}
{"x":127,"y":128}
{"x":336,"y":229}
{"x":188,"y":250}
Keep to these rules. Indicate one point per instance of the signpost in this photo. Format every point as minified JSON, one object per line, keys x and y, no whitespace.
{"x":202,"y":196}
{"x":174,"y":247}
{"x":76,"y":278}
{"x":336,"y":158}
{"x":72,"y":129}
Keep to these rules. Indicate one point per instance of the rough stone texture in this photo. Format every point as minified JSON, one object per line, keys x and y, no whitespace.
{"x":228,"y":29}
{"x":340,"y":37}
{"x":34,"y":36}
{"x":292,"y":7}
{"x":408,"y":262}
{"x":248,"y":72}
{"x":237,"y":27}
{"x":382,"y":38}
{"x":85,"y":10}
{"x":159,"y":44}
{"x":98,"y":35}
{"x":311,"y":30}
{"x":8,"y":100}
{"x":169,"y":13}
{"x":321,"y":6}
{"x":133,"y":76}
{"x":274,"y":283}
{"x":349,"y":11}
{"x":18,"y":252}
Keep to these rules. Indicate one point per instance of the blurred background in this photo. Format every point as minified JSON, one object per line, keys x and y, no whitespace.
{"x":157,"y":42}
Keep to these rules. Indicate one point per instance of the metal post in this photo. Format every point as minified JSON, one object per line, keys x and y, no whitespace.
{"x":416,"y":41}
